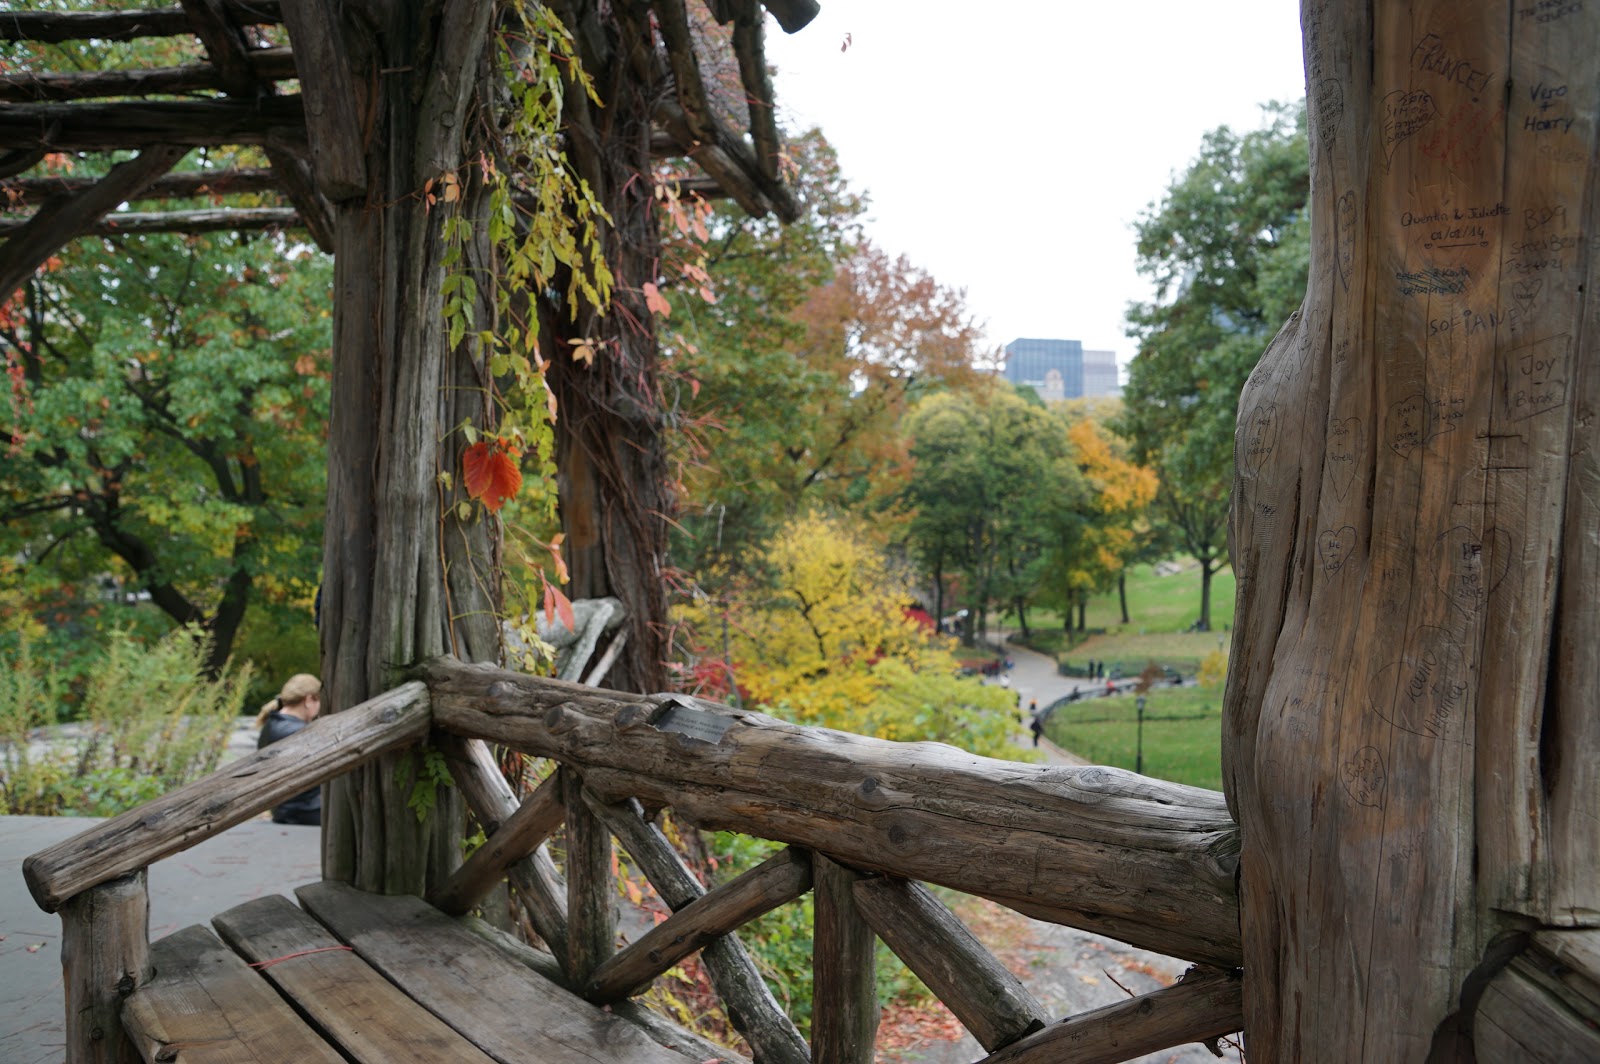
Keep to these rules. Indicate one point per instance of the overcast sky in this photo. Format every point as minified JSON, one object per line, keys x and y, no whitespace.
{"x":1008,"y":145}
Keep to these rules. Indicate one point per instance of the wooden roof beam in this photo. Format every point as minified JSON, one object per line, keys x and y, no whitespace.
{"x":145,"y":123}
{"x":30,"y":191}
{"x":749,"y":47}
{"x":61,"y":219}
{"x":53,"y":27}
{"x":131,"y":223}
{"x":267,"y":64}
{"x":336,"y":132}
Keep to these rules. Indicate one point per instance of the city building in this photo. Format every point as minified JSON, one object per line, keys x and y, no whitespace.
{"x":1061,"y":369}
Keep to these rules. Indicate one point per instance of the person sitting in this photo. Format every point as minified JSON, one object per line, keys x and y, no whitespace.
{"x":296,"y":706}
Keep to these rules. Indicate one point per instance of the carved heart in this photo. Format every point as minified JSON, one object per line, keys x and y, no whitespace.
{"x":1364,"y":777}
{"x":1527,"y":291}
{"x":1260,"y":436}
{"x":1471,"y":568}
{"x":1425,"y":691}
{"x":1344,"y":443}
{"x":1344,"y":232}
{"x":1334,"y":547}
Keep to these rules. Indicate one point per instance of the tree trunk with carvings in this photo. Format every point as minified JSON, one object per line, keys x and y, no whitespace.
{"x":405,"y":576}
{"x":1412,"y":738}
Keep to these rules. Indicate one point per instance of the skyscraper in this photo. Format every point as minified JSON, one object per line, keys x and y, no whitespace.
{"x":1061,"y":369}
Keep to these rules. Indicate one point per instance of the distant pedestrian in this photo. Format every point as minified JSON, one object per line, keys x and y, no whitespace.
{"x":1037,"y":727}
{"x":296,"y":706}
{"x":1111,"y":687}
{"x":1091,"y":668}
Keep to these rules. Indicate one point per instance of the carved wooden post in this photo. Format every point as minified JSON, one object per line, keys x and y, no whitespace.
{"x":844,"y":996}
{"x":105,"y":956}
{"x":1411,"y":743}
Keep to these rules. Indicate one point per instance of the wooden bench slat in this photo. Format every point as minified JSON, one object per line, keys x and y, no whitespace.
{"x":507,"y":1009}
{"x":208,"y":1001}
{"x":355,"y":1007}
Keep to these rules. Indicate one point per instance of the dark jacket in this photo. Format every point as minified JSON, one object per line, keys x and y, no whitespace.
{"x":305,"y":807}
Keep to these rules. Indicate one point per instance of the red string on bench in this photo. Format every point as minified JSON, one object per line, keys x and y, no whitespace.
{"x":292,"y":956}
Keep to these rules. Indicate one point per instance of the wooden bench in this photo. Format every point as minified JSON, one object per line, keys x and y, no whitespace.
{"x":357,"y":976}
{"x":860,"y":823}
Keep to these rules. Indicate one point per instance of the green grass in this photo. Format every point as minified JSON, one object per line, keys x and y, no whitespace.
{"x":1182,"y":733}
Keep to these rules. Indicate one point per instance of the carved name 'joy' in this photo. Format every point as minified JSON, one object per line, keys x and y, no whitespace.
{"x":1536,"y":377}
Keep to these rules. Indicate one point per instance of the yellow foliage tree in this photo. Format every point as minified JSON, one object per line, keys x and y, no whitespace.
{"x":826,"y":640}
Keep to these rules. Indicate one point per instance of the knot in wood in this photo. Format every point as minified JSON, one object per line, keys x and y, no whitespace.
{"x":869,"y":785}
{"x":898,"y":835}
{"x":502,"y":690}
{"x":559,"y":718}
{"x":127,"y":984}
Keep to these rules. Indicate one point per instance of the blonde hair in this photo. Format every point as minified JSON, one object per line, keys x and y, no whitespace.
{"x":300,"y":687}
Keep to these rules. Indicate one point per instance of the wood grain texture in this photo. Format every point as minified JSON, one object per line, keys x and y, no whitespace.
{"x":224,"y":219}
{"x":105,"y":957}
{"x":145,"y":123}
{"x":745,"y":996}
{"x":1059,"y":844}
{"x":1409,"y":737}
{"x":844,"y":995}
{"x":591,"y":886}
{"x":351,"y":1004}
{"x":1206,"y":1004}
{"x":39,"y":86}
{"x":447,"y":969}
{"x":537,"y":882}
{"x":1524,"y":1017}
{"x":234,"y":793}
{"x":988,"y":1000}
{"x":778,"y":880}
{"x":206,"y":1006}
{"x":517,"y":838}
{"x":661,"y":1030}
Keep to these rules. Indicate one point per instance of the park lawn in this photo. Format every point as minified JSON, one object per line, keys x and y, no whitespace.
{"x":1182,"y":733}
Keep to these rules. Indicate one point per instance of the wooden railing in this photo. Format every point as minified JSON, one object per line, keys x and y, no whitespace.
{"x":865,"y":822}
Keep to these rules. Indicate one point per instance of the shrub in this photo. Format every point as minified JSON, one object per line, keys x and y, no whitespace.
{"x":150,"y":721}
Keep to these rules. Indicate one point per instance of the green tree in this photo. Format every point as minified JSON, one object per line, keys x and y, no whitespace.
{"x":995,"y":489}
{"x":167,"y":423}
{"x":1227,"y":247}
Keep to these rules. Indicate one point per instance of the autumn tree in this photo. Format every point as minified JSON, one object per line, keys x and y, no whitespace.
{"x":822,"y":635}
{"x":993,"y":490}
{"x":1226,"y":248}
{"x":166,"y":426}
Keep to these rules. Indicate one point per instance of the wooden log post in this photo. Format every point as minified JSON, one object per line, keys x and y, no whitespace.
{"x":591,"y":888}
{"x":517,"y":838}
{"x":105,"y":956}
{"x":1410,"y":738}
{"x":987,"y":999}
{"x":844,"y":995}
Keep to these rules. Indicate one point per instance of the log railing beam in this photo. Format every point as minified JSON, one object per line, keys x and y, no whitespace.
{"x":746,"y":998}
{"x":776,"y":881}
{"x":987,"y":999}
{"x":130,"y":223}
{"x":522,"y":833}
{"x":493,"y":802}
{"x":592,"y":923}
{"x":1060,"y":844}
{"x":1206,"y":1004}
{"x":190,"y":184}
{"x":329,"y":746}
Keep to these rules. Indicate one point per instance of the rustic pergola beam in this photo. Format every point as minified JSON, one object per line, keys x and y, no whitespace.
{"x":793,"y":15}
{"x":65,"y":217}
{"x":53,"y":27}
{"x":30,"y":191}
{"x":749,"y":47}
{"x":672,"y":19}
{"x":134,"y":223}
{"x":24,"y":87}
{"x":146,"y":123}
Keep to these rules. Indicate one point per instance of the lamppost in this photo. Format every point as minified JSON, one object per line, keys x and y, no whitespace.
{"x":1138,"y":753}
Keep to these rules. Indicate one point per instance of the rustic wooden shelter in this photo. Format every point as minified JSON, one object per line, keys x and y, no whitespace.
{"x":1411,"y":735}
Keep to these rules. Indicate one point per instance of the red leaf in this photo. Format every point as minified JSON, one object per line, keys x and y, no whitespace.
{"x":491,"y":473}
{"x":556,"y":604}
